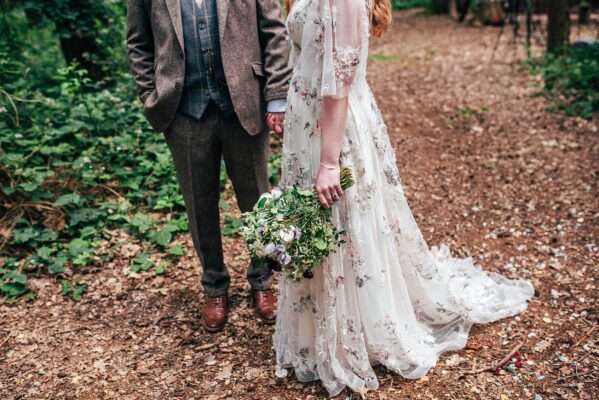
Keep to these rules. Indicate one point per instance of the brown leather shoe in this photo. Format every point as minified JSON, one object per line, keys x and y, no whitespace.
{"x":214,"y":313}
{"x":265,"y":303}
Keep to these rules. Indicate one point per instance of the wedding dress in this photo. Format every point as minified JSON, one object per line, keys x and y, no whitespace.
{"x":383,"y":297}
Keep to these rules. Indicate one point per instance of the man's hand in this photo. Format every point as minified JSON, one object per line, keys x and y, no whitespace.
{"x":276,"y":122}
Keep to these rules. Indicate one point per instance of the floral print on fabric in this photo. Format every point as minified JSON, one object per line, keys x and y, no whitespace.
{"x":384,"y":297}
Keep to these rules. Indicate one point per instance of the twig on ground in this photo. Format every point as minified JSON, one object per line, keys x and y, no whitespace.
{"x":500,"y":364}
{"x":78,"y":329}
{"x":206,"y":346}
{"x":584,"y":337}
{"x":4,"y":341}
{"x":113,"y":191}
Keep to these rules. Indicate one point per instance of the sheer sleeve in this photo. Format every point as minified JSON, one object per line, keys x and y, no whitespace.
{"x":345,"y":44}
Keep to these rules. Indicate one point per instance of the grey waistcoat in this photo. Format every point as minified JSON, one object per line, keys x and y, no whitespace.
{"x":204,"y":73}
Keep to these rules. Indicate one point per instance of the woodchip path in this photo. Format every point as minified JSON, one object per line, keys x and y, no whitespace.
{"x":486,"y":170}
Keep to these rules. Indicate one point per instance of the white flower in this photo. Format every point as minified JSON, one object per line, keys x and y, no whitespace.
{"x":266,"y":196}
{"x":297,"y":233}
{"x":287,"y":235}
{"x":276,"y":193}
{"x":280,"y":249}
{"x":269,"y":249}
{"x":284,"y":259}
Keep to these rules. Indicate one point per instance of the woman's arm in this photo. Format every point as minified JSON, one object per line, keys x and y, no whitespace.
{"x":332,"y":126}
{"x":345,"y":38}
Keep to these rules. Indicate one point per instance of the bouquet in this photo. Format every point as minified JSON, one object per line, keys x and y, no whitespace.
{"x":293,"y":229}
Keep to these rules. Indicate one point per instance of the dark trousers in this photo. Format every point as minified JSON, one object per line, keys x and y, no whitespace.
{"x":197,"y":147}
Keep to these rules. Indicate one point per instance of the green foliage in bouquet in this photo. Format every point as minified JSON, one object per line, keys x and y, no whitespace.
{"x":293,"y":228}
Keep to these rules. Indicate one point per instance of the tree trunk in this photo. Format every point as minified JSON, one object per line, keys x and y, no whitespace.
{"x":558,"y":25}
{"x":82,"y":50}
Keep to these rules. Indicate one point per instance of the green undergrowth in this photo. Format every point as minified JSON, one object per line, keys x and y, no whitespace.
{"x":571,"y":79}
{"x":82,"y":175}
{"x":406,"y":4}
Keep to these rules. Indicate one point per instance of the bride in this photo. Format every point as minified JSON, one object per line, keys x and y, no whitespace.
{"x":383,"y":297}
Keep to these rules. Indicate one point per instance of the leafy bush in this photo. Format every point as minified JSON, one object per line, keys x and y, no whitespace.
{"x":77,"y":160}
{"x":75,"y":164}
{"x":81,"y":172}
{"x":405,"y":4}
{"x":572,"y":77}
{"x":89,"y":31}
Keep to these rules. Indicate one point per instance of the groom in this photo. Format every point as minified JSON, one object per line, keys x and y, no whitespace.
{"x":211,"y":75}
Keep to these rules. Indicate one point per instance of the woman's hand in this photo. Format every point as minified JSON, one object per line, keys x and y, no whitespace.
{"x":332,"y":122}
{"x":328,"y":185}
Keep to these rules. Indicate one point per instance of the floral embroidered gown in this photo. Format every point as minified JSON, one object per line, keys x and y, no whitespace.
{"x":383,"y":297}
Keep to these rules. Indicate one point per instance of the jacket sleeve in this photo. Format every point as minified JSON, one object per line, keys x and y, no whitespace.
{"x":275,"y":49}
{"x":140,"y":47}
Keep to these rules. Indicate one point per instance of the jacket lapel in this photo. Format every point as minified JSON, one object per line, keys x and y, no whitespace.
{"x":174,"y":10}
{"x":222,"y":10}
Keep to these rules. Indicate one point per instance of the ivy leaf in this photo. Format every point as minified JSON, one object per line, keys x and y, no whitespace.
{"x":13,"y":289}
{"x":232,"y":226}
{"x":161,"y":269}
{"x":77,"y":247}
{"x":162,"y":237}
{"x":78,"y":291}
{"x":23,"y":235}
{"x":56,"y":266}
{"x":141,"y":263}
{"x":173,"y":226}
{"x":83,"y":215}
{"x":29,"y":187}
{"x":68,"y":199}
{"x":45,"y":252}
{"x":7,"y":190}
{"x":176,"y":250}
{"x":66,"y":288}
{"x":15,"y":277}
{"x":88,"y":231}
{"x":141,"y":222}
{"x":74,"y":291}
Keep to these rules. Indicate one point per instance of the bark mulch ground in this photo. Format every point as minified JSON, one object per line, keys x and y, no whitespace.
{"x":486,"y":169}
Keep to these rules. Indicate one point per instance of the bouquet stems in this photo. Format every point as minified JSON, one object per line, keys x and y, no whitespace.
{"x":347,"y":180}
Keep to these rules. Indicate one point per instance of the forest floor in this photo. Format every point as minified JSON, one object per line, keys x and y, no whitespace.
{"x":486,"y":169}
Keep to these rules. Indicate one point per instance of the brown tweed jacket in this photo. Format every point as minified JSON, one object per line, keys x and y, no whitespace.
{"x":254,"y":50}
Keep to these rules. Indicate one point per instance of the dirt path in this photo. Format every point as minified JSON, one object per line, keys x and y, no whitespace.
{"x":486,"y":170}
